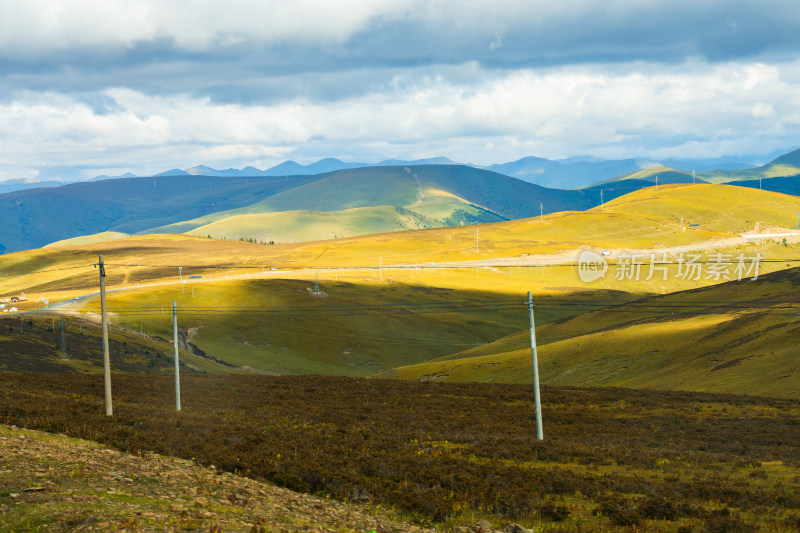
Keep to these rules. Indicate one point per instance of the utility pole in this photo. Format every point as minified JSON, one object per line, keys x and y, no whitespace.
{"x":602,"y":203}
{"x":63,"y":340}
{"x":316,"y":282}
{"x":535,"y":364}
{"x":177,"y":361}
{"x":541,"y":212}
{"x":180,"y":273}
{"x":104,"y":322}
{"x":656,"y":181}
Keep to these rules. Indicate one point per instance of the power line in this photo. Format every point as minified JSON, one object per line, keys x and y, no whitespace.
{"x":707,"y":307}
{"x":258,"y":268}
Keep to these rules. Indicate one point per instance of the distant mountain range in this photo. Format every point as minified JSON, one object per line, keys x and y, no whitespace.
{"x":571,"y":173}
{"x":308,"y":203}
{"x":290,"y":168}
{"x":568,"y":173}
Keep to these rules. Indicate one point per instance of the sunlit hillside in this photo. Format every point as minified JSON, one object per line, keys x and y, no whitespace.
{"x":785,"y":165}
{"x":379,"y":199}
{"x":649,"y":219}
{"x":255,"y":307}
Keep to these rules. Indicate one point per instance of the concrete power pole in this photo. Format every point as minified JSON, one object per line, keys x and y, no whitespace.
{"x":535,"y":364}
{"x":177,"y":360}
{"x":104,"y":322}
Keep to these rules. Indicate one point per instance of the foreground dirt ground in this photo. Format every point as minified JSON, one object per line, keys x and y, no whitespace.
{"x":56,"y":483}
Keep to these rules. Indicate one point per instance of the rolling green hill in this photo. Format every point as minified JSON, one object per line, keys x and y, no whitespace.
{"x":231,"y":307}
{"x":735,"y":337}
{"x":784,"y":185}
{"x":436,"y":195}
{"x":446,"y":194}
{"x":289,"y":226}
{"x":315,"y":338}
{"x":785,"y":165}
{"x":651,"y":176}
{"x":89,"y":239}
{"x":36,"y":217}
{"x":722,"y":208}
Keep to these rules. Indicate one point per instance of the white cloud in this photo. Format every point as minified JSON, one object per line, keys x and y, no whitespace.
{"x":690,"y":110}
{"x":33,"y":27}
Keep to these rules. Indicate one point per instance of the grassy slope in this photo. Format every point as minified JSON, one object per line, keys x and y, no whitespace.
{"x":665,"y":175}
{"x":723,"y":208}
{"x":437,"y":209}
{"x":639,"y":221}
{"x":36,"y":217}
{"x":149,"y":492}
{"x":648,"y":219}
{"x":67,"y":271}
{"x":446,"y":453}
{"x":399,"y":186}
{"x":89,"y":239}
{"x":448,"y":194}
{"x":688,"y":346}
{"x":785,"y":185}
{"x":33,"y":345}
{"x":785,"y":165}
{"x":288,"y":226}
{"x":356,"y":343}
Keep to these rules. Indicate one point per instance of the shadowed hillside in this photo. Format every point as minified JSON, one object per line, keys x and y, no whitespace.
{"x":434,"y":195}
{"x":735,"y":337}
{"x":437,"y":195}
{"x":36,"y":217}
{"x":785,"y":165}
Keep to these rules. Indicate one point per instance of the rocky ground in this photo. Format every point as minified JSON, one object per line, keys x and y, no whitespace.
{"x":55,"y":483}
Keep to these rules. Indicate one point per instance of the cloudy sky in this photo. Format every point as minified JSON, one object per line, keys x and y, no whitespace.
{"x":107,"y":86}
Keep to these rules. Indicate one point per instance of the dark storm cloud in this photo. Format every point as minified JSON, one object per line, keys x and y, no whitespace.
{"x":512,"y":36}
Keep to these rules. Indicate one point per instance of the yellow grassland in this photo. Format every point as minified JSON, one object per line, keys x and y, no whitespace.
{"x":413,"y":265}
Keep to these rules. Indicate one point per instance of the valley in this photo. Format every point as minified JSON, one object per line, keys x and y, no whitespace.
{"x":392,"y":267}
{"x":447,"y":303}
{"x":361,"y":339}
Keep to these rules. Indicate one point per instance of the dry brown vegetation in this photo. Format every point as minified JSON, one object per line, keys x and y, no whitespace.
{"x":449,"y":453}
{"x":60,"y":484}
